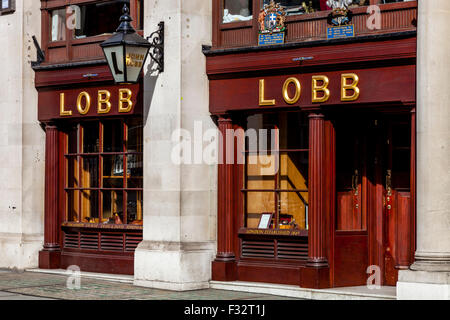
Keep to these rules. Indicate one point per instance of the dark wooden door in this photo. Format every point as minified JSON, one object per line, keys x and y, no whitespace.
{"x":373,"y":209}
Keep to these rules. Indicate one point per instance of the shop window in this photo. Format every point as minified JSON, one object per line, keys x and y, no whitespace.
{"x":276,"y":179}
{"x":295,"y":7}
{"x":103,"y":172}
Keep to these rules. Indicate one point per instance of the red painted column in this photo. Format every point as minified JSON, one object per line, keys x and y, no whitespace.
{"x":49,"y":256}
{"x":224,"y":266}
{"x":316,"y":272}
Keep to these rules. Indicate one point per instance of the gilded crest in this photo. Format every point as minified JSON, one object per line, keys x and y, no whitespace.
{"x":271,"y":18}
{"x":341,"y":15}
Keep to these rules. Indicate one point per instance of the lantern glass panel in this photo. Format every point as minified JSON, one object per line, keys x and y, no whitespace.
{"x":114,"y":56}
{"x":135,"y":59}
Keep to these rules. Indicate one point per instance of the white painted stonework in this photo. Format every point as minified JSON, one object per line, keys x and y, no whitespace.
{"x":22,"y":141}
{"x":179,"y":199}
{"x":429,"y":275}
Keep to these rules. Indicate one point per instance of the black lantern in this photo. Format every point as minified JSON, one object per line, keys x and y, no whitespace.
{"x":126,"y":51}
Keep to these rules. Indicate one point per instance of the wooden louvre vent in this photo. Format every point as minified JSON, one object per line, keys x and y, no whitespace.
{"x":102,"y":241}
{"x":275,"y":249}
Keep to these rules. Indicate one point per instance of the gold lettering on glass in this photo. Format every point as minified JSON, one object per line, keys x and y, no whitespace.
{"x":316,"y":88}
{"x":298,"y":90}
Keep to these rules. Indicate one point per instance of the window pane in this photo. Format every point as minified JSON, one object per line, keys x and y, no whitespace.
{"x":98,"y":18}
{"x":91,"y":137}
{"x":134,"y":169}
{"x":135,"y":136}
{"x":112,"y":207}
{"x":293,"y":210}
{"x":89,"y":206}
{"x":293,"y":7}
{"x":237,"y":10}
{"x":261,"y":172}
{"x":72,"y":140}
{"x":113,"y":136}
{"x":258,"y":203}
{"x":89,"y":171}
{"x":58,"y":25}
{"x":113,"y":171}
{"x":72,"y":205}
{"x":134,"y":207}
{"x":72,"y":172}
{"x":294,"y":171}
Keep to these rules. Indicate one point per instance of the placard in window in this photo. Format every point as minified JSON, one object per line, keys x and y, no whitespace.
{"x":7,"y":6}
{"x":264,"y":221}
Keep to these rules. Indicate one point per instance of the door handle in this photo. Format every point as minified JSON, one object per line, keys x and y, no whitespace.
{"x":355,"y":181}
{"x":389,"y":182}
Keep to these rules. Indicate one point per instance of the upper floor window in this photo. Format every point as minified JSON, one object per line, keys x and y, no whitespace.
{"x":242,"y":10}
{"x":91,"y":19}
{"x":237,"y":10}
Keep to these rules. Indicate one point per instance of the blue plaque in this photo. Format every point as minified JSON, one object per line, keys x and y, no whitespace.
{"x":267,"y":39}
{"x":341,"y":32}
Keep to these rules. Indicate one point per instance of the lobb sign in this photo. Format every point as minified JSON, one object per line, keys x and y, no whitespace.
{"x":90,"y":102}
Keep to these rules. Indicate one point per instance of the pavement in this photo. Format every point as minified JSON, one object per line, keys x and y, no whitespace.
{"x":41,"y":286}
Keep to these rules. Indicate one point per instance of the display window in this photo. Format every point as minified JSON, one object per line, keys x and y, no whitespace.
{"x":276,"y":173}
{"x":104,"y":172}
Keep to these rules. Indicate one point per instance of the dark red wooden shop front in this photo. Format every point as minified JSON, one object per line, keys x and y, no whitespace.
{"x":93,"y":169}
{"x":343,"y":198}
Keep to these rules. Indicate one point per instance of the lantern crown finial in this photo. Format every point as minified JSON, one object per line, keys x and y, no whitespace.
{"x":125,"y":21}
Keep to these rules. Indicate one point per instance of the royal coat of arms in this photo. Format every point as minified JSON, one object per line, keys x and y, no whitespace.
{"x":341,"y":15}
{"x":271,"y":24}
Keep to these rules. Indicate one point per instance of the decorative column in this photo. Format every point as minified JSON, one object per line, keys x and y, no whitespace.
{"x":49,"y":256}
{"x":316,"y":272}
{"x":429,"y":276}
{"x":224,"y":265}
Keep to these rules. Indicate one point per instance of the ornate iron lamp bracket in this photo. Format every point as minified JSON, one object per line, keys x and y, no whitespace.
{"x":156,"y":52}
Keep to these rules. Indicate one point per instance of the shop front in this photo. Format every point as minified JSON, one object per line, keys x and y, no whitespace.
{"x":94,"y":175}
{"x":320,"y":191}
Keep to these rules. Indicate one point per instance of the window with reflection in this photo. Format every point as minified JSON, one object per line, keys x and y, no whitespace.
{"x":276,"y":171}
{"x":103,"y":172}
{"x":237,"y":10}
{"x":294,"y":7}
{"x":91,"y":19}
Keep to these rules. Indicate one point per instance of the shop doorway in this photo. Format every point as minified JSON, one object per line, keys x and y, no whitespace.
{"x":373,"y":217}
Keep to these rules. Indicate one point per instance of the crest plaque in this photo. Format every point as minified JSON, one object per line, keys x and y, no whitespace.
{"x":271,"y":24}
{"x":340,"y":19}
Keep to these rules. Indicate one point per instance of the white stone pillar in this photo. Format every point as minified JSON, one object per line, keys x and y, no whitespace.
{"x":429,"y":276}
{"x":22,"y":141}
{"x":179,"y":199}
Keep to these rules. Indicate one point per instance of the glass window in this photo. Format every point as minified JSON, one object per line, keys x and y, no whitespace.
{"x":58,"y":25}
{"x":276,"y":170}
{"x":237,"y":10}
{"x":103,"y":182}
{"x":98,"y":18}
{"x":294,"y":7}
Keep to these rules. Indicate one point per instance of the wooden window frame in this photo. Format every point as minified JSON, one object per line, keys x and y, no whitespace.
{"x":100,"y":154}
{"x":218,"y":26}
{"x":70,"y":43}
{"x":277,"y":190}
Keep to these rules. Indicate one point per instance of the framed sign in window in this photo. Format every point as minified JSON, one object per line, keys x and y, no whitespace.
{"x":265,"y":220}
{"x":7,"y":6}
